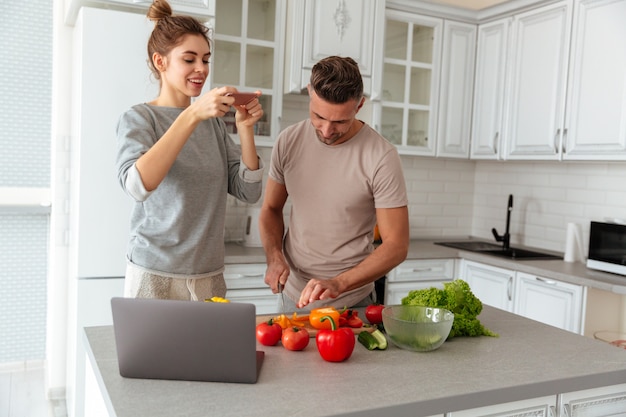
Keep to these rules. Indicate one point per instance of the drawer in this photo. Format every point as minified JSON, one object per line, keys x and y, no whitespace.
{"x":242,"y":276}
{"x":423,"y":270}
{"x":395,"y":292}
{"x":265,"y":301}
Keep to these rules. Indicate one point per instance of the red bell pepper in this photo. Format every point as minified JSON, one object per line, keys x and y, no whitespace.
{"x":335,"y":345}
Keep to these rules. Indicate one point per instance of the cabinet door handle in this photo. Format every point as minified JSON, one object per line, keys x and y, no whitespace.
{"x":556,"y":140}
{"x":425,"y":269}
{"x":564,"y":141}
{"x":546,"y":281}
{"x":509,"y":289}
{"x":495,"y":143}
{"x":248,"y":276}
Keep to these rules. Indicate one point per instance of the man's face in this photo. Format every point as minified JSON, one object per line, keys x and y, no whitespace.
{"x":333,"y":123}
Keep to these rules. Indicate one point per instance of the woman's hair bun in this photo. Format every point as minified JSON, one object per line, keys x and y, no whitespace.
{"x":159,"y":9}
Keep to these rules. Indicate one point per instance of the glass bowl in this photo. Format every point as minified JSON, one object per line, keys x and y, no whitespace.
{"x":417,"y":328}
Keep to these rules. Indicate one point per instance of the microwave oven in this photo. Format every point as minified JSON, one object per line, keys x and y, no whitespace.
{"x":607,"y":247}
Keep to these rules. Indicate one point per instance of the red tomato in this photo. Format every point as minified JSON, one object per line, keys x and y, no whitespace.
{"x":295,"y":338}
{"x":374,"y":313}
{"x":268,"y":333}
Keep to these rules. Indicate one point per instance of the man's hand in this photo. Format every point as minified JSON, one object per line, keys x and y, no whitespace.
{"x":318,"y":289}
{"x":277,"y":272}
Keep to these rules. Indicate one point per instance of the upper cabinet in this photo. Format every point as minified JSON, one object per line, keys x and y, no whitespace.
{"x":407,"y":114}
{"x":202,"y":9}
{"x":595,"y":120}
{"x":550,"y":84}
{"x":489,"y":89}
{"x":538,"y":75}
{"x":457,"y":86}
{"x":428,"y":74}
{"x":320,"y":28}
{"x":248,"y":54}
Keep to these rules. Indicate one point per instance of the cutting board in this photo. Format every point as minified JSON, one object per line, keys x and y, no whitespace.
{"x":313,"y":331}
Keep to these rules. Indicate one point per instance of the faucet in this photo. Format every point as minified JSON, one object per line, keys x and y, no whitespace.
{"x":506,"y":238}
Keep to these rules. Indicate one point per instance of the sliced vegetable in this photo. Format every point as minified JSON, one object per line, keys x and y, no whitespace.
{"x":350,"y":318}
{"x":373,"y":340}
{"x":268,"y":333}
{"x":283,"y":321}
{"x":299,"y":321}
{"x":316,"y":315}
{"x":336,"y":344}
{"x":295,"y":338}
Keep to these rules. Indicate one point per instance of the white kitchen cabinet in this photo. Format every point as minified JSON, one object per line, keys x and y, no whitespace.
{"x":245,"y":283}
{"x":595,"y":121}
{"x":540,"y":41}
{"x":533,"y":407}
{"x":417,"y":274}
{"x":549,"y":301}
{"x":407,"y":113}
{"x":457,"y":84}
{"x":248,"y":55}
{"x":321,"y":28}
{"x":489,"y":89}
{"x":202,"y":9}
{"x":597,"y":402}
{"x":494,"y":286}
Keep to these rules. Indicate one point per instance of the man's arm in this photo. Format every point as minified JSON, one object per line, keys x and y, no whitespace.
{"x":393,"y":225}
{"x":272,"y":229}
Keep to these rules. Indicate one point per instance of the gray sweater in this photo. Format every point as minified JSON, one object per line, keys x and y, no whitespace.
{"x":178,"y":229}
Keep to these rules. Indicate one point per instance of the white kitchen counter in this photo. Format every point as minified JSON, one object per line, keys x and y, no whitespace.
{"x":572,"y":272}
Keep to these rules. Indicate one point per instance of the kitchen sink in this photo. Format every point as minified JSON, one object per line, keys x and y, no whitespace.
{"x":494,"y":249}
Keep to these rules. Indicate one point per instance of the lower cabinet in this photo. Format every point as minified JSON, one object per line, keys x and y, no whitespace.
{"x":417,"y":274}
{"x":491,"y":284}
{"x":552,"y":302}
{"x":597,"y":402}
{"x":533,"y":407}
{"x":609,"y":401}
{"x":245,"y":283}
{"x":549,"y":301}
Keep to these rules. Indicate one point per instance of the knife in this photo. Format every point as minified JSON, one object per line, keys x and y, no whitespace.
{"x":281,"y":287}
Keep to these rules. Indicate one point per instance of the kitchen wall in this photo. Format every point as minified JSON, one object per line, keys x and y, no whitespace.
{"x":458,"y":197}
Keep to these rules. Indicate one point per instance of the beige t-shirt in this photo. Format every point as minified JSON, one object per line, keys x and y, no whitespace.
{"x":334,"y":192}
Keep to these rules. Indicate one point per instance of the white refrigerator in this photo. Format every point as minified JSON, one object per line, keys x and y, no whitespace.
{"x":110,"y":74}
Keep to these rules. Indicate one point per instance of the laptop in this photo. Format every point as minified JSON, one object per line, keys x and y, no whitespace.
{"x":186,"y":340}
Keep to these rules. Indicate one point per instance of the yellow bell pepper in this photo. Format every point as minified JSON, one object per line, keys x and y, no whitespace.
{"x":216,"y":300}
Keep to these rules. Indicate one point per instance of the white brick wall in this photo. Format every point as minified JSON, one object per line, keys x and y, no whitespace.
{"x":457,"y":198}
{"x":547,"y":196}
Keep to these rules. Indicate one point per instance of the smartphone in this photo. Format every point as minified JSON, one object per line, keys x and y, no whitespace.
{"x":242,"y":98}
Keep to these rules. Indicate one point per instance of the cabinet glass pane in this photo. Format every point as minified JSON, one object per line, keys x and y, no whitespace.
{"x":261,"y":19}
{"x":392,"y":125}
{"x":228,"y":17}
{"x":259,"y":66}
{"x":396,"y":35}
{"x":420,"y":86}
{"x":418,"y":128}
{"x":262,"y":127}
{"x":393,"y":82}
{"x":226,"y":63}
{"x":423,"y":37}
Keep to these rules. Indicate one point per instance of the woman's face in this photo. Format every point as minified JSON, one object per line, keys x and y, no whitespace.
{"x":185,"y":69}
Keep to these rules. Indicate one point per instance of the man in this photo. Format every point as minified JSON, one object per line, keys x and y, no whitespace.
{"x":342,"y":178}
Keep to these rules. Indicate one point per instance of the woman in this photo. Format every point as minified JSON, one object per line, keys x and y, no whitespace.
{"x":178,"y":163}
